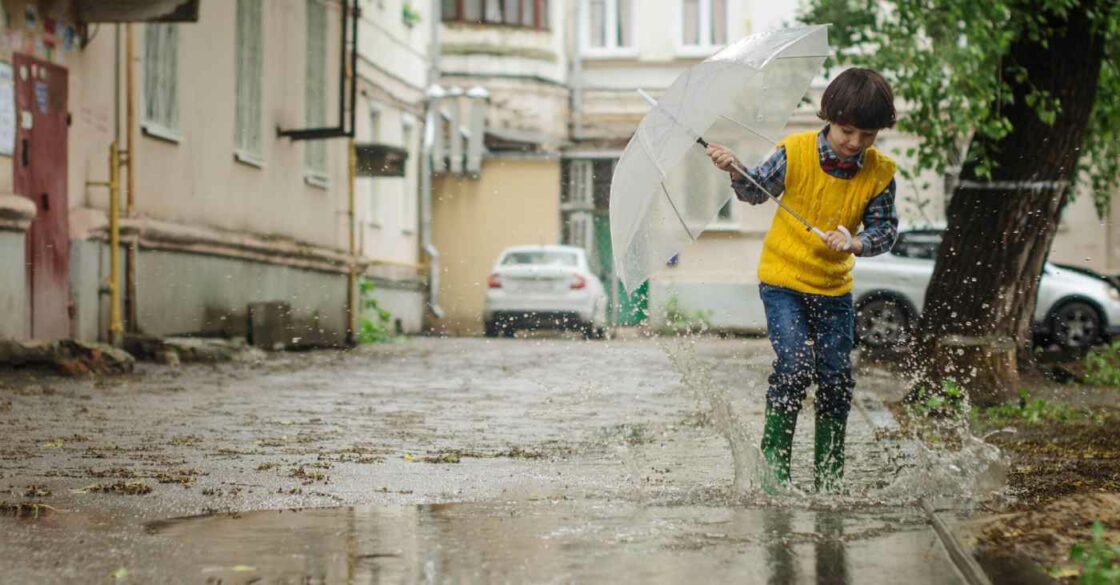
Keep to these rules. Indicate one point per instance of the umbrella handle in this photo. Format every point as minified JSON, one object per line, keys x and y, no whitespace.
{"x":839,"y":228}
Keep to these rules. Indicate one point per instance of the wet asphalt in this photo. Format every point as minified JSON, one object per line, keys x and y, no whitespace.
{"x":539,"y":460}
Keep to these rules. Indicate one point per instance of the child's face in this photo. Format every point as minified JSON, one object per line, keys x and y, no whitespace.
{"x":848,"y":141}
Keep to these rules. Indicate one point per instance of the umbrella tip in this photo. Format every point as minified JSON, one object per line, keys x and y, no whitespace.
{"x":649,"y":99}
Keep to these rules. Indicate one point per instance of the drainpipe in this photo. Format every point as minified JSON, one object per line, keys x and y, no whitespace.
{"x":115,"y":328}
{"x":431,"y":121}
{"x":352,"y":308}
{"x":576,"y":96}
{"x":129,"y":159}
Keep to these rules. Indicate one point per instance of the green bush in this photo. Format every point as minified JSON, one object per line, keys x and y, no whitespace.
{"x":1102,"y":366}
{"x":373,"y":323}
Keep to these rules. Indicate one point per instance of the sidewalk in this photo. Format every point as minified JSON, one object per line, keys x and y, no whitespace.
{"x":519,"y":460}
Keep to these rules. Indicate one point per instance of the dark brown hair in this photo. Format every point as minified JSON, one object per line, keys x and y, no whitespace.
{"x":858,"y":97}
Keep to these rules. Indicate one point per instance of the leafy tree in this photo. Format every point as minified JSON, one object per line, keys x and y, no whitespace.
{"x":1025,"y":96}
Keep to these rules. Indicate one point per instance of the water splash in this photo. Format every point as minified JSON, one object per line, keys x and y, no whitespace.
{"x":713,"y":399}
{"x":941,"y":458}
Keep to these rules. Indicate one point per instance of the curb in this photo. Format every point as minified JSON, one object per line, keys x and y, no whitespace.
{"x":876,"y":413}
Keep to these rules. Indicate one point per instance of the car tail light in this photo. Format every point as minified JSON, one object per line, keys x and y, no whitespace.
{"x":494,"y":281}
{"x":578,"y":282}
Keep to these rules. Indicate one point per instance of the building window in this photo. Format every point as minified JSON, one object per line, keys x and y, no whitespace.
{"x":703,"y":23}
{"x":409,"y":201}
{"x":609,"y":25}
{"x":250,"y":41}
{"x":315,"y":96}
{"x":373,"y":212}
{"x":580,"y":185}
{"x":520,"y":13}
{"x":161,"y":80}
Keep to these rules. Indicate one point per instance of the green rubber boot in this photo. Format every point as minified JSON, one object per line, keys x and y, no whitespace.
{"x":828,"y":454}
{"x":777,"y":446}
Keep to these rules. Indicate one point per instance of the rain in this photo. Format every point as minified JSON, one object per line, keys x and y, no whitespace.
{"x":559,"y":291}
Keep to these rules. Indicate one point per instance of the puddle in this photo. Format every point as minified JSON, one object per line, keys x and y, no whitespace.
{"x":556,"y":542}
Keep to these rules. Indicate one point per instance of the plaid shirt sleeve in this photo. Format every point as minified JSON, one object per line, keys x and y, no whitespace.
{"x":771,"y":174}
{"x":880,"y":223}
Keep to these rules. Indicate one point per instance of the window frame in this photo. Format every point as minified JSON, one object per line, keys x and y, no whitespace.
{"x":316,"y":162}
{"x":374,"y":212}
{"x":612,"y":50}
{"x":410,"y":212}
{"x":167,"y":67}
{"x":705,"y":48}
{"x":540,"y":15}
{"x":249,"y":59}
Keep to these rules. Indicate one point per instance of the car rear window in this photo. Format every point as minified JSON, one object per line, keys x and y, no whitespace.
{"x":540,"y":258}
{"x":917,"y":245}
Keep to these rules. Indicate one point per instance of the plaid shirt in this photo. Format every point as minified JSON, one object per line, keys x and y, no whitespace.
{"x":880,"y":217}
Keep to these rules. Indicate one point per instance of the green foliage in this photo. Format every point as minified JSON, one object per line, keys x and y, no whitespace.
{"x":1098,"y":560}
{"x":948,"y":402}
{"x":373,"y":324}
{"x":409,"y":16}
{"x":680,"y":320}
{"x":949,"y":60}
{"x":1028,"y":411}
{"x":1102,"y":366}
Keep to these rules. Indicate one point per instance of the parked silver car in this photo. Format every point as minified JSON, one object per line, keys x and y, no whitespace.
{"x":547,"y":287}
{"x":1074,"y":309}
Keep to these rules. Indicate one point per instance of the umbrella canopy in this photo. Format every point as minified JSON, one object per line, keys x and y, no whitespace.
{"x":665,"y":190}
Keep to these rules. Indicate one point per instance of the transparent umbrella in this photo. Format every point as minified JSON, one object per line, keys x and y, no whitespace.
{"x":665,"y":190}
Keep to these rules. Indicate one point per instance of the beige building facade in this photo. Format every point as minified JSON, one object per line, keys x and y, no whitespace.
{"x":516,"y":54}
{"x":225,"y":210}
{"x":394,"y":70}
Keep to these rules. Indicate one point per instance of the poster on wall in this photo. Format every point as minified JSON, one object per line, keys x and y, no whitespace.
{"x":7,"y":110}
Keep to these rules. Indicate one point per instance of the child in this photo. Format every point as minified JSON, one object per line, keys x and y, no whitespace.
{"x":831,"y":177}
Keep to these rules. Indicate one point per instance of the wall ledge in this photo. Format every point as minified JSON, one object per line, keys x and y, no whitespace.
{"x":151,"y":234}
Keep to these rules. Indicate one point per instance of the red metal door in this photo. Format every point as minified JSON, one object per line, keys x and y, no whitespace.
{"x":40,"y":175}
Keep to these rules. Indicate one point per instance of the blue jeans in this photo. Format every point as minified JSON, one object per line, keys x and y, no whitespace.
{"x":813,"y":337}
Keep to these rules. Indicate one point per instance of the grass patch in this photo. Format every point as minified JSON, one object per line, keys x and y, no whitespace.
{"x":124,"y":488}
{"x":33,"y":510}
{"x":1034,"y":411}
{"x":1102,"y":366}
{"x":1097,"y":560}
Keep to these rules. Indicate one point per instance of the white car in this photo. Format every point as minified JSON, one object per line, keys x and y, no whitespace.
{"x":1073,"y":309}
{"x":547,"y":287}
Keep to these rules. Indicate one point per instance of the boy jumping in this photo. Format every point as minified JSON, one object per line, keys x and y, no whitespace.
{"x":832,"y":177}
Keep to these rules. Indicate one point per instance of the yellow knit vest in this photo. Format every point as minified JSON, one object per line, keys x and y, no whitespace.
{"x":794,"y":258}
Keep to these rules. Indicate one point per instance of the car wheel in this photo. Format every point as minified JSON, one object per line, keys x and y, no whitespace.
{"x":591,"y":331}
{"x":1075,"y":325}
{"x":492,"y":328}
{"x":882,"y":323}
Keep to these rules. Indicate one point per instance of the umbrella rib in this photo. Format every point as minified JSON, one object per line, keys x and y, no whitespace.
{"x":674,"y":206}
{"x":749,"y":129}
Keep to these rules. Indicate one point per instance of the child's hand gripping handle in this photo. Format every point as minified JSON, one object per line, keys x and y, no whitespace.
{"x":839,"y":228}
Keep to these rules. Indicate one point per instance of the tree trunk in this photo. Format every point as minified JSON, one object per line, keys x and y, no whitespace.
{"x":1000,"y":229}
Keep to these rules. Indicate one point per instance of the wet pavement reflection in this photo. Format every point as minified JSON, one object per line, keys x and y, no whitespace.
{"x":558,"y":542}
